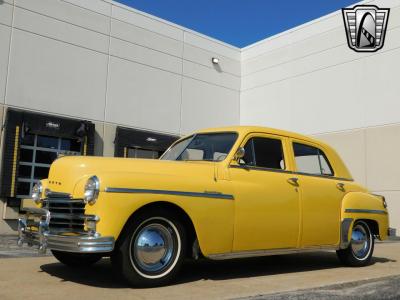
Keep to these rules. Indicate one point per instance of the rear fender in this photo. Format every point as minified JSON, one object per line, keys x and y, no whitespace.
{"x":363,"y":206}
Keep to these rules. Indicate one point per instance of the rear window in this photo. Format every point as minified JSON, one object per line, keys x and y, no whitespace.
{"x":311,"y":160}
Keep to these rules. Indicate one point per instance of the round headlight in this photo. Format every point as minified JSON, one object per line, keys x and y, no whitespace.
{"x":92,"y":188}
{"x":37,"y":192}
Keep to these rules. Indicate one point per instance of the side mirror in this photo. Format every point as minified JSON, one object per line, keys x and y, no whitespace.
{"x":239,"y":155}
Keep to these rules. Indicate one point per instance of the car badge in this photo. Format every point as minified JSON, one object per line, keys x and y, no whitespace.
{"x":365,"y":27}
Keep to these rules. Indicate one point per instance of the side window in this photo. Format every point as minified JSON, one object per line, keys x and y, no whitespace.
{"x":264,"y":153}
{"x":311,"y":160}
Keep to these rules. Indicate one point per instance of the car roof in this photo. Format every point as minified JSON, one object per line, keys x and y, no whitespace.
{"x":260,"y":129}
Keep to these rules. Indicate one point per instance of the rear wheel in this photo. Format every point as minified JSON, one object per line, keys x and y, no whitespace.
{"x":76,"y":259}
{"x":151,"y":250}
{"x":359,"y":252}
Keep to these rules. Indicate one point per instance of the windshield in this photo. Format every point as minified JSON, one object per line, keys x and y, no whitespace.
{"x":203,"y":146}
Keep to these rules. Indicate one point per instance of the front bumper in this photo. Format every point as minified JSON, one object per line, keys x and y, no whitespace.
{"x":33,"y":229}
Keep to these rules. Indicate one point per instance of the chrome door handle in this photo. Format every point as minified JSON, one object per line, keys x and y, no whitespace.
{"x":340,"y":186}
{"x":293,"y":181}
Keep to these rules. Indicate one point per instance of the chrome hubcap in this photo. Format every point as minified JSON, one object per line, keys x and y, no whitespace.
{"x":153,"y":248}
{"x":360,"y":241}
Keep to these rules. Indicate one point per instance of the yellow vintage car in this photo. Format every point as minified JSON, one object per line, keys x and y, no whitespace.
{"x":219,"y":193}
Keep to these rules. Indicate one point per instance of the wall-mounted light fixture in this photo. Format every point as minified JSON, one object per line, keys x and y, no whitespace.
{"x":215,"y":60}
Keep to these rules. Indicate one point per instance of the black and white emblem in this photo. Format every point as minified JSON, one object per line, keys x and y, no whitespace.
{"x":365,"y":27}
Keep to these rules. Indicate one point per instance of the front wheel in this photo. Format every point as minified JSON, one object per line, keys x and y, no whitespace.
{"x":359,"y":252}
{"x":151,"y":250}
{"x":76,"y":259}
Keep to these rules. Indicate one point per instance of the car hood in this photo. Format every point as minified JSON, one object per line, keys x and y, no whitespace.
{"x":68,"y":172}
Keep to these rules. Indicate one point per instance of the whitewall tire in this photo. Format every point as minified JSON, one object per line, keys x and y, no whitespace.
{"x":151,"y":250}
{"x":361,"y":246}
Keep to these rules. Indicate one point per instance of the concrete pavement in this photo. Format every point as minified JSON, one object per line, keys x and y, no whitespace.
{"x":264,"y":278}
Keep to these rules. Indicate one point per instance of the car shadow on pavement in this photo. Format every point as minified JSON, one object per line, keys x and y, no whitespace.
{"x":102,"y":275}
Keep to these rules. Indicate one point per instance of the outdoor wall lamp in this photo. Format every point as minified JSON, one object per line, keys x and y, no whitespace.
{"x":215,"y":60}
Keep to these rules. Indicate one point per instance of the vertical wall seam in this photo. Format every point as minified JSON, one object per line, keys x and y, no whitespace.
{"x":9,"y":53}
{"x":107,"y":75}
{"x":181,"y":102}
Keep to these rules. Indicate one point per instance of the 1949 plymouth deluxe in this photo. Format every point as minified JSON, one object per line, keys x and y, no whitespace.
{"x":219,"y":193}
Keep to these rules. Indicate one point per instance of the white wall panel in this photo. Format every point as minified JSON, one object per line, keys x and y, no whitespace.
{"x":56,"y":77}
{"x":203,"y":57}
{"x":310,"y":46}
{"x":326,"y":101}
{"x":69,"y":13}
{"x":98,"y":6}
{"x":146,"y":38}
{"x":312,"y":29}
{"x":212,"y":76}
{"x":267,"y":60}
{"x":267,"y":76}
{"x":341,"y":87}
{"x":333,"y":81}
{"x":139,"y":19}
{"x":267,"y":106}
{"x":381,"y":89}
{"x":142,"y":96}
{"x":145,"y":56}
{"x":394,"y":16}
{"x":309,"y":63}
{"x":208,"y":44}
{"x":4,"y":50}
{"x":206,"y":105}
{"x":33,"y":22}
{"x":5,"y":13}
{"x":293,"y":35}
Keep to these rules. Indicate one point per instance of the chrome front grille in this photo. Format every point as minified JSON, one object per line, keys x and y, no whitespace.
{"x":66,"y":215}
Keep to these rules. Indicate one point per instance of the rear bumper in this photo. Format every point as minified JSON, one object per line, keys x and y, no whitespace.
{"x":33,"y":230}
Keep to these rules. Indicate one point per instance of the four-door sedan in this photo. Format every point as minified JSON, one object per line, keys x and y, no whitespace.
{"x":219,"y":193}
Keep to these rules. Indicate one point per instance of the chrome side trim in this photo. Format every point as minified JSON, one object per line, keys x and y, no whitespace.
{"x":365,"y":211}
{"x":246,"y":167}
{"x":206,"y":194}
{"x":344,"y":233}
{"x":247,"y":254}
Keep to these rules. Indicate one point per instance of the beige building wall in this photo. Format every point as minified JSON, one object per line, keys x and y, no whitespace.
{"x":372,"y":155}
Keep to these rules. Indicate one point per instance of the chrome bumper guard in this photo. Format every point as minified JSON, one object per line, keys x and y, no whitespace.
{"x":33,"y":229}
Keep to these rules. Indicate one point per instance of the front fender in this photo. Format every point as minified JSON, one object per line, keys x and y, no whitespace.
{"x":363,"y":206}
{"x":211,"y":216}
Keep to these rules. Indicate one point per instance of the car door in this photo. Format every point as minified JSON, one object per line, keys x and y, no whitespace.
{"x":266,"y":200}
{"x":321,"y":194}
